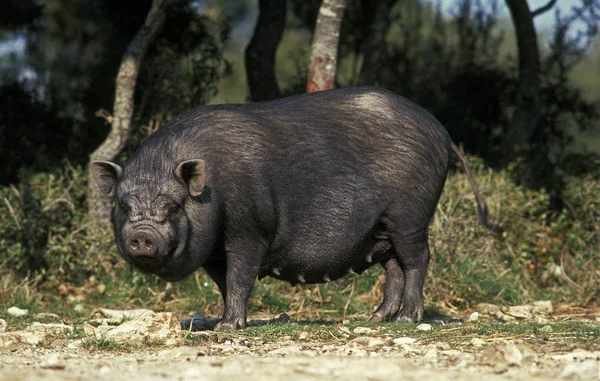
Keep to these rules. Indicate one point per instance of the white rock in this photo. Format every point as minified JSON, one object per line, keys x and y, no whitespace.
{"x":76,"y":344}
{"x":583,"y":371}
{"x":362,"y":331}
{"x":161,"y":327}
{"x":47,"y":316}
{"x":519,"y":312}
{"x":424,"y":327}
{"x":542,"y":307}
{"x":431,"y":354}
{"x":3,"y":325}
{"x":303,"y":335}
{"x":541,"y":320}
{"x":366,"y":341}
{"x":79,"y":308}
{"x":16,"y":311}
{"x":546,"y":329}
{"x":473,"y":317}
{"x":20,"y":337}
{"x":477,"y":342}
{"x":502,"y":356}
{"x":52,"y":361}
{"x":578,"y":355}
{"x":513,"y":355}
{"x":404,"y":340}
{"x":51,"y":328}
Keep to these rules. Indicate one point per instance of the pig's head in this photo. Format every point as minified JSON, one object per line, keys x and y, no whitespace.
{"x":152,"y":228}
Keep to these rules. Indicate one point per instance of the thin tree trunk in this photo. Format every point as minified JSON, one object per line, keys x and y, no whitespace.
{"x":527,"y":113}
{"x":260,"y":53}
{"x":375,"y":44}
{"x":98,"y":204}
{"x":323,"y":59}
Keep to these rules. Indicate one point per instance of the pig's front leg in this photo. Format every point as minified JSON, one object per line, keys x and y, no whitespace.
{"x":243,"y":263}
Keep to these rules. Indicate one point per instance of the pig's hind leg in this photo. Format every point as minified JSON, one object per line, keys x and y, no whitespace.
{"x":394,"y":290}
{"x":413,"y":256}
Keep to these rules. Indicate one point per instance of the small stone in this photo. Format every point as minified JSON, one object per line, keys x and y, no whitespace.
{"x":101,"y":288}
{"x":487,"y":308}
{"x":542,"y":307}
{"x":104,"y":370}
{"x":362,"y":331}
{"x":404,"y":341}
{"x":585,"y":370}
{"x":16,"y":311}
{"x":47,"y":316}
{"x":519,"y":312}
{"x":52,"y":361}
{"x":375,"y":342}
{"x":503,"y":317}
{"x":424,"y":327}
{"x":546,"y":329}
{"x":76,"y":344}
{"x":477,"y":342}
{"x":303,"y":335}
{"x":473,"y":317}
{"x":3,"y":325}
{"x":512,"y":354}
{"x":431,"y":354}
{"x":366,"y":341}
{"x":79,"y":308}
{"x":501,"y":357}
{"x":89,"y":330}
{"x":578,"y":355}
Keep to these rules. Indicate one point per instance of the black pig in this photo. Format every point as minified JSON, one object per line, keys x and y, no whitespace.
{"x":305,"y":189}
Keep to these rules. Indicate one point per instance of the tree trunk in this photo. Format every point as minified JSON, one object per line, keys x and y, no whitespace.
{"x":98,"y":204}
{"x":260,"y":53}
{"x":375,"y":44}
{"x":526,"y":115}
{"x":323,"y":59}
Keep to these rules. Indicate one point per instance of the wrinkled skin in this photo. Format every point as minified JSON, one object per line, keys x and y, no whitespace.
{"x":304,"y":189}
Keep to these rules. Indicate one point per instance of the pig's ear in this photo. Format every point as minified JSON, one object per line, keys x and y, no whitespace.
{"x":107,"y":175}
{"x":193,"y":174}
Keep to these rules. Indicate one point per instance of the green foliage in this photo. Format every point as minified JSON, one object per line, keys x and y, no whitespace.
{"x":184,"y":66}
{"x":72,"y":54}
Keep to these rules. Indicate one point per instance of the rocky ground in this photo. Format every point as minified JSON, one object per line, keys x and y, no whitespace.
{"x":144,"y":345}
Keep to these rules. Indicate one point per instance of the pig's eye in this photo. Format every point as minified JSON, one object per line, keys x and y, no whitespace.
{"x":172,"y":208}
{"x":124,"y":208}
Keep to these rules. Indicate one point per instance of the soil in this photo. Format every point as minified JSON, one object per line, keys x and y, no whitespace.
{"x":361,"y":353}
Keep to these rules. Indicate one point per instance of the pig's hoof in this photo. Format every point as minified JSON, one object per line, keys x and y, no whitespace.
{"x":377,"y":318}
{"x":409,"y":316}
{"x":230,"y":326}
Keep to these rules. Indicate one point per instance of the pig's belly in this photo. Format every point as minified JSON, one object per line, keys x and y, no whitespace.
{"x":315,"y":264}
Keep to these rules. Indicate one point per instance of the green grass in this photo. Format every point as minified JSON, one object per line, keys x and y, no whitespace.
{"x":564,"y":335}
{"x":103,"y":344}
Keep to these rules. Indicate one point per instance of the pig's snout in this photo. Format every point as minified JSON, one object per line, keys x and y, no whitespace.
{"x":142,"y":244}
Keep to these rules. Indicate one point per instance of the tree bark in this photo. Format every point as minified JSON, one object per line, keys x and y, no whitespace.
{"x":323,"y":59}
{"x":98,"y":204}
{"x":375,"y":45}
{"x":526,"y":115}
{"x":260,"y":53}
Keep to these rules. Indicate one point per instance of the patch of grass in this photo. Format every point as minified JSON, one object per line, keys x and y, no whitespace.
{"x":104,"y":344}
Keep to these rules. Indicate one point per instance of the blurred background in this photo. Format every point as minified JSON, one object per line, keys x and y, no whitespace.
{"x":516,"y":82}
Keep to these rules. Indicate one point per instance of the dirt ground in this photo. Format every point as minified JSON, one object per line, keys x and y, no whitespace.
{"x":290,"y":361}
{"x":295,"y":352}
